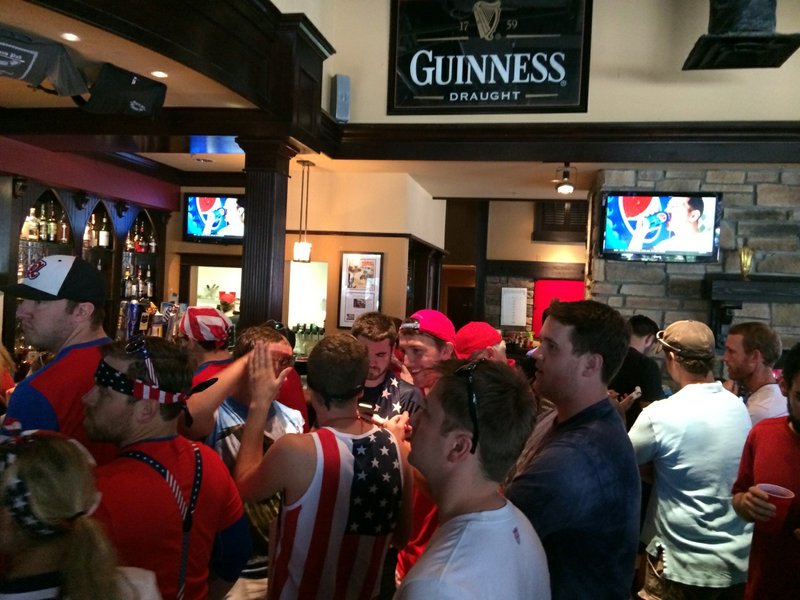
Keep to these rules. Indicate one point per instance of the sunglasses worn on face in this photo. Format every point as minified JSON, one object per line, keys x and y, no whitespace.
{"x":467,"y":372}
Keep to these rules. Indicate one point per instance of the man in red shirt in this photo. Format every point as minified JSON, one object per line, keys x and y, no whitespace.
{"x":205,"y":332}
{"x":168,"y":505}
{"x":61,"y":311}
{"x":427,"y":338}
{"x":771,"y":455}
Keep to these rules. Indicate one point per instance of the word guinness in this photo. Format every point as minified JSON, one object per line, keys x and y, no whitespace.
{"x":426,"y":68}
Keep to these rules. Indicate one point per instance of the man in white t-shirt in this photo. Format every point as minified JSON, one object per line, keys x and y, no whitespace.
{"x":751,"y":351}
{"x":473,"y":427}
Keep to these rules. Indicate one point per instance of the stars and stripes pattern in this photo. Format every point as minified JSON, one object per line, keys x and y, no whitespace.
{"x":334,"y":539}
{"x":393,"y":397}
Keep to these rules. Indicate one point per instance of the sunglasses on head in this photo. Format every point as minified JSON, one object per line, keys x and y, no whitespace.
{"x":467,"y":372}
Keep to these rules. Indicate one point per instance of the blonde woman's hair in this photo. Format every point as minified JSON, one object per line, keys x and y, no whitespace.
{"x":61,"y":493}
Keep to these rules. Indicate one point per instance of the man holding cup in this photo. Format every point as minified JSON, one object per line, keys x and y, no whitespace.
{"x":765,"y":490}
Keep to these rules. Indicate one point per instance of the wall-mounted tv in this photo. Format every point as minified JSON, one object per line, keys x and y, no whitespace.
{"x":215,"y":218}
{"x":661,"y":227}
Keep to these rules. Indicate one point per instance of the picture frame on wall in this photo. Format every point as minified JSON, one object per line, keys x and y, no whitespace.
{"x":360,"y":281}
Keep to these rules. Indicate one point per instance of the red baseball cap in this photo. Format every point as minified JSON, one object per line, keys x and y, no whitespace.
{"x":433,"y":323}
{"x":475,"y":335}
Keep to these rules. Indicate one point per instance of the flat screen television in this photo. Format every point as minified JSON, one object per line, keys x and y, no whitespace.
{"x":213,"y":218}
{"x":661,"y":227}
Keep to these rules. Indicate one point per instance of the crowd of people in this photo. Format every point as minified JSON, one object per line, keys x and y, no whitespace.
{"x":418,"y":462}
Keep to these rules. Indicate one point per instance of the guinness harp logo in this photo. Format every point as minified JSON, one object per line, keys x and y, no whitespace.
{"x":487,"y":17}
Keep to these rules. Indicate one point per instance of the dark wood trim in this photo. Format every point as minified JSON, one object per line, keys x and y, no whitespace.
{"x":230,"y":42}
{"x":534,"y":270}
{"x":70,"y":129}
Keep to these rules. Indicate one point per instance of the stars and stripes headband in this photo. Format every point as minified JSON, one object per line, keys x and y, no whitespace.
{"x":17,"y":498}
{"x":107,"y":376}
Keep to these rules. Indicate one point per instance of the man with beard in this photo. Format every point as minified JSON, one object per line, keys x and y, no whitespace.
{"x":751,"y":351}
{"x":61,"y":311}
{"x":168,"y":505}
{"x":386,"y":393}
{"x":581,"y":488}
{"x":771,"y":455}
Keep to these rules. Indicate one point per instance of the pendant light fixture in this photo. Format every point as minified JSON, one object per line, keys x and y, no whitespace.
{"x":565,"y":179}
{"x":302,"y":247}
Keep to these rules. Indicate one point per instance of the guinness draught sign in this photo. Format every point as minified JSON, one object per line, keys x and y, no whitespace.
{"x":463,"y":56}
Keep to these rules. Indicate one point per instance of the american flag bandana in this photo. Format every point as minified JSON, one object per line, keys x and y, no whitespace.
{"x":109,"y":377}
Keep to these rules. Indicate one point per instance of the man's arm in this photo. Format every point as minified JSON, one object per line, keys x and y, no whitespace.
{"x":258,"y":475}
{"x":203,"y":405}
{"x":231,"y":551}
{"x":28,"y":407}
{"x":398,"y":426}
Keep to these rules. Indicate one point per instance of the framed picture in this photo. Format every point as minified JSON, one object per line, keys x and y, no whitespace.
{"x":359,"y":285}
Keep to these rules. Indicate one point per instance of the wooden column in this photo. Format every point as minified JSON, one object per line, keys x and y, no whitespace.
{"x":266,"y":182}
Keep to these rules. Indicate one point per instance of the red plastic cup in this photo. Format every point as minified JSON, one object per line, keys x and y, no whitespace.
{"x":782,"y":499}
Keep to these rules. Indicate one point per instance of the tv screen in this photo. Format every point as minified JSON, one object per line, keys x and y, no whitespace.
{"x":661,"y":227}
{"x":213,"y":218}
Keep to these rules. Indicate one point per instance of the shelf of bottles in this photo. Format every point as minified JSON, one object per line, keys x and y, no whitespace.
{"x":139,"y":261}
{"x":139,"y":307}
{"x":45,"y":231}
{"x":97,"y":247}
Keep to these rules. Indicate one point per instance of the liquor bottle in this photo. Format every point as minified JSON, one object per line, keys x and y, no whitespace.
{"x":30,"y":229}
{"x":125,"y":284}
{"x":133,"y":287}
{"x":140,"y":284}
{"x":142,"y":238}
{"x":129,"y":247}
{"x":148,"y":284}
{"x":52,"y":225}
{"x":151,"y":243}
{"x":104,"y":235}
{"x":93,"y":232}
{"x":63,"y":229}
{"x":42,"y":224}
{"x":87,"y":242}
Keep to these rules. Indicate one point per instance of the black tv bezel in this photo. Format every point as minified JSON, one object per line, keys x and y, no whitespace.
{"x":647,"y":257}
{"x":207,"y":239}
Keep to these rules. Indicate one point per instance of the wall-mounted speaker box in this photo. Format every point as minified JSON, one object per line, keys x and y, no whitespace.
{"x":340,"y":98}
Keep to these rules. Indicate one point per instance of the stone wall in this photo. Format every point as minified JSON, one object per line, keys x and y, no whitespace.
{"x":494,"y":288}
{"x":761,"y":208}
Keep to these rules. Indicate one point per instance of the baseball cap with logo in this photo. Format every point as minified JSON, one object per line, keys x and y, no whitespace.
{"x":60,"y":277}
{"x":475,"y":335}
{"x":688,"y":339}
{"x":431,"y":322}
{"x":205,"y":325}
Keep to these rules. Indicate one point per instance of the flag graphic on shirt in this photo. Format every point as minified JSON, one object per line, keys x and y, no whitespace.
{"x":333,"y":540}
{"x":374,"y":507}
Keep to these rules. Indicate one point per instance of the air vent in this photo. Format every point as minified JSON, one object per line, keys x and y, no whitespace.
{"x":741,"y":35}
{"x":558,"y":221}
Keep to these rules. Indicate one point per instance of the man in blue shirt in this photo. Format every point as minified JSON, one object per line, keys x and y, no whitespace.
{"x":581,"y":488}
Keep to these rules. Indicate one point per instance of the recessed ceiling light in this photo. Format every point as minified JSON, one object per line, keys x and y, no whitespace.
{"x":159,"y":74}
{"x":70,"y":37}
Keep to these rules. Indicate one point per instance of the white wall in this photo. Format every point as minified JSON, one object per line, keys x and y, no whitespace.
{"x":366,"y":202}
{"x":638,"y":48}
{"x":510,"y":227}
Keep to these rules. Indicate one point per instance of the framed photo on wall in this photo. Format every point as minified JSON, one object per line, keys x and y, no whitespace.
{"x":360,"y":282}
